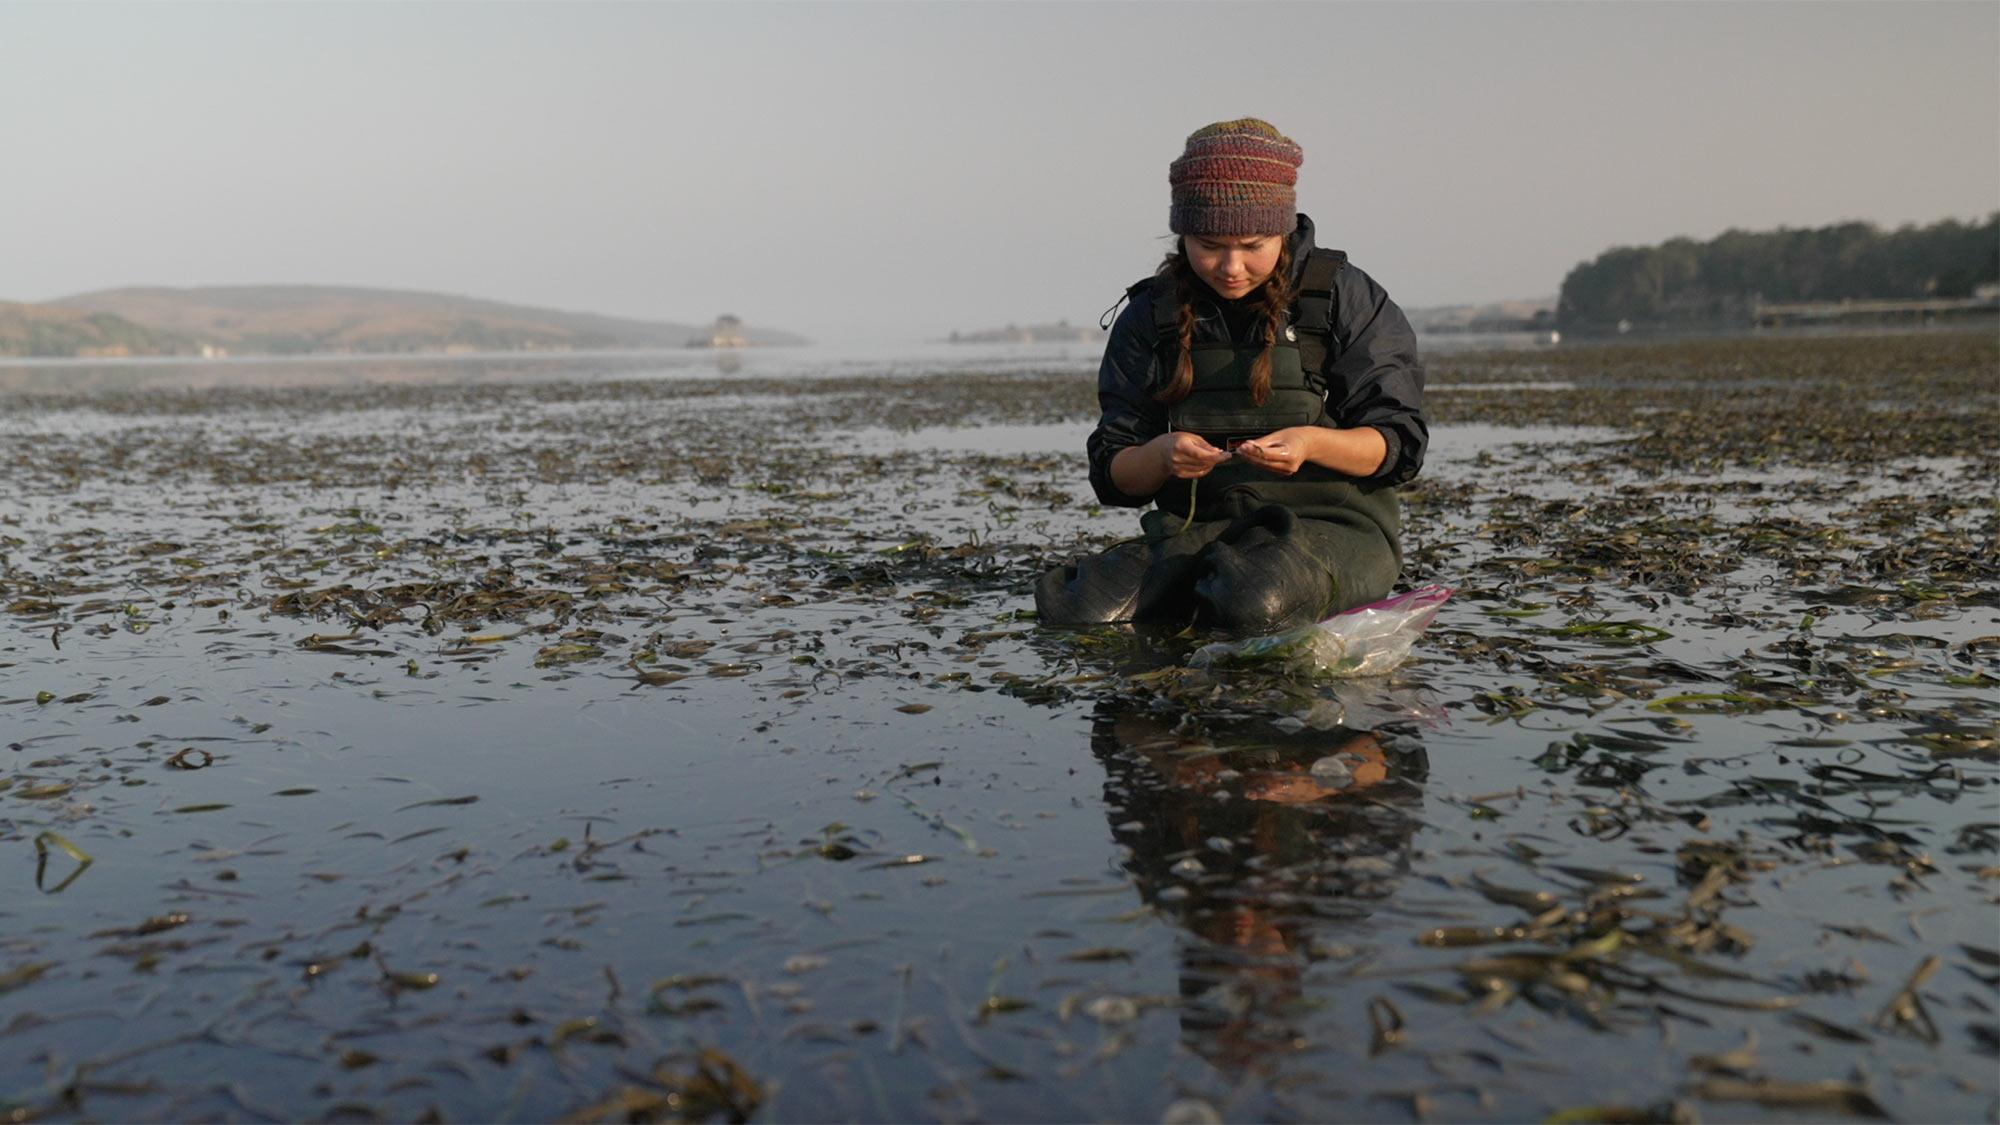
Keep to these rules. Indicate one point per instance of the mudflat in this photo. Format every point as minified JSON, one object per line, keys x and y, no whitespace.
{"x":595,"y":746}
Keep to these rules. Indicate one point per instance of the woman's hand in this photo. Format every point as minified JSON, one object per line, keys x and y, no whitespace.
{"x":1358,"y":452}
{"x":1281,"y":451}
{"x":1143,"y":470}
{"x":1187,"y":455}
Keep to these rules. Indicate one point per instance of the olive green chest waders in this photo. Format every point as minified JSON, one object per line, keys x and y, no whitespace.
{"x":1263,"y":552}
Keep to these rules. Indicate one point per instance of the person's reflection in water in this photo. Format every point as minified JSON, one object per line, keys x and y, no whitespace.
{"x":1264,"y":843}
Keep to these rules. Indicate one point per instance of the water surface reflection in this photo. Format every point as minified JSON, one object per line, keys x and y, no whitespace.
{"x":1266,"y":847}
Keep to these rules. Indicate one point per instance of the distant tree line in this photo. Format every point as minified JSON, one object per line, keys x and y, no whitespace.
{"x":1721,"y":281}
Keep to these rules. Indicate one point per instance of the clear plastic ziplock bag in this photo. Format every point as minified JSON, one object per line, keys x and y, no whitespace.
{"x":1369,"y":640}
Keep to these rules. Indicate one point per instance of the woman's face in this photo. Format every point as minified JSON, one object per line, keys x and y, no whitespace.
{"x":1233,"y":265}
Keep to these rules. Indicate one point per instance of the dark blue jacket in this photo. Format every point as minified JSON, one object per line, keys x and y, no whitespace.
{"x":1374,"y":378}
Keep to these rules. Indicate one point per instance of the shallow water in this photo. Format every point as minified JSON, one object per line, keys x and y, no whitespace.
{"x":920,"y":359}
{"x":648,"y":747}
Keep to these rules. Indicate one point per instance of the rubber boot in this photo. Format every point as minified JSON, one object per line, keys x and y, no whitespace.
{"x":1100,"y":590}
{"x":1260,"y":577}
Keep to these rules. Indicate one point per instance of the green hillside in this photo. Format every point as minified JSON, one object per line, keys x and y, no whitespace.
{"x":318,"y":319}
{"x":47,"y":330}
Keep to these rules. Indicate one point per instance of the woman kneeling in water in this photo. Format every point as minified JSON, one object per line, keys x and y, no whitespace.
{"x":1265,"y":395}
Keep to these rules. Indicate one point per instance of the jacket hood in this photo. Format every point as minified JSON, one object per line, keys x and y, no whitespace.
{"x":1303,"y":245}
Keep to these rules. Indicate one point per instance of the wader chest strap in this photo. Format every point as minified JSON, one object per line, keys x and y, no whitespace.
{"x":1313,"y":314}
{"x":1313,"y":310}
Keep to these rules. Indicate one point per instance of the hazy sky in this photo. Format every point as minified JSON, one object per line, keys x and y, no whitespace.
{"x":900,"y":170}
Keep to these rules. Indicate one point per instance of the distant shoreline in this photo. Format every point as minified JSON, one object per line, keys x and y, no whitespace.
{"x":1985,"y":322}
{"x":307,"y":358}
{"x":1454,"y":342}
